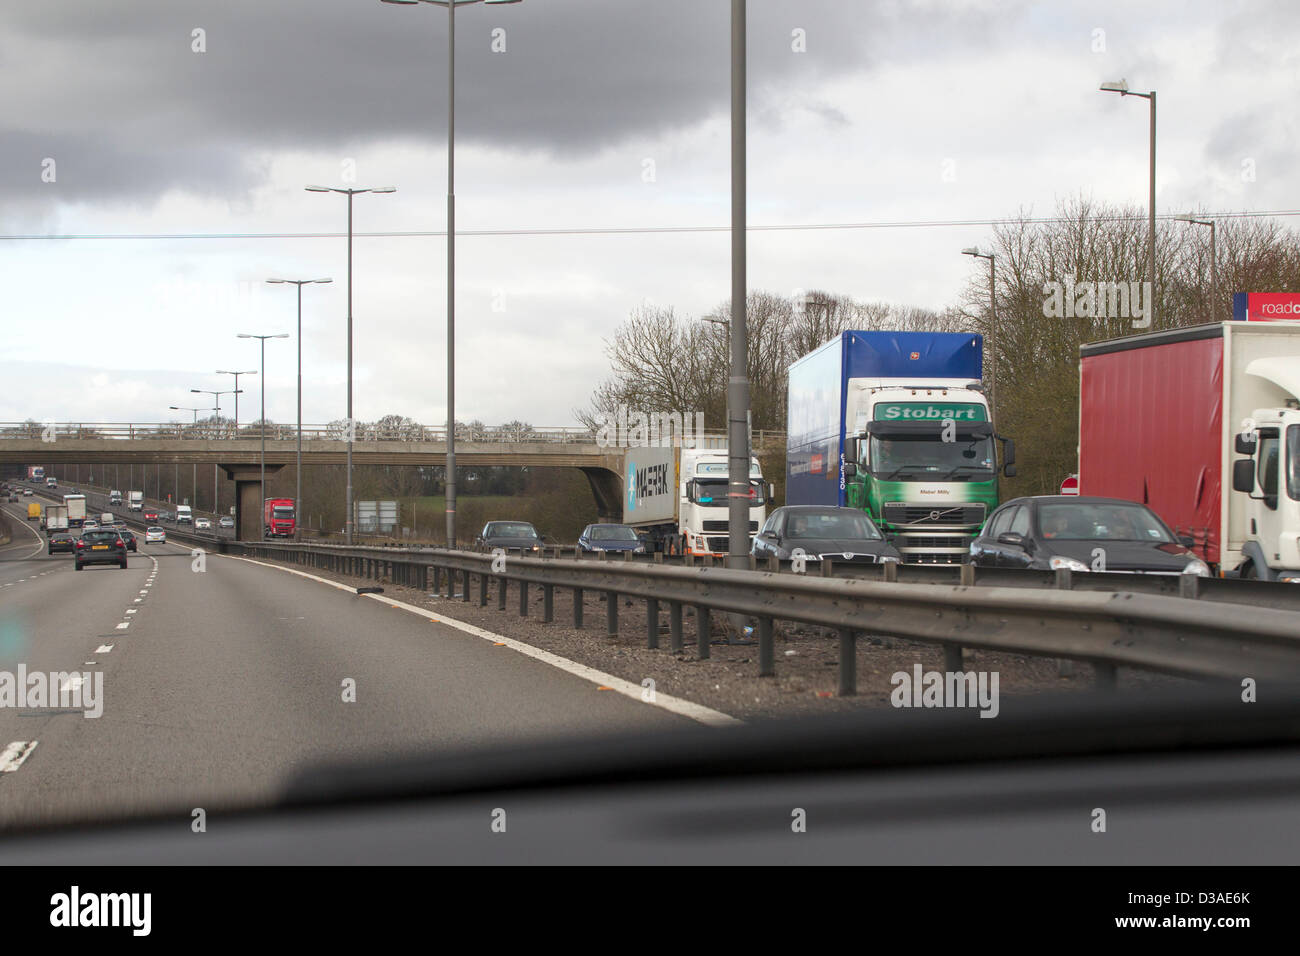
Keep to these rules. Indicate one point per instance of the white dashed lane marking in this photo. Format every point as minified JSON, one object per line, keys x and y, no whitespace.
{"x":124,"y":625}
{"x":13,"y":756}
{"x":103,"y":648}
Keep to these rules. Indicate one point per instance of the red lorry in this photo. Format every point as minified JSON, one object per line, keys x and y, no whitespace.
{"x":278,"y":518}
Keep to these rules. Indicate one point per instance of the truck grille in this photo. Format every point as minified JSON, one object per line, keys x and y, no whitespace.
{"x":722,"y":526}
{"x":899,"y":514}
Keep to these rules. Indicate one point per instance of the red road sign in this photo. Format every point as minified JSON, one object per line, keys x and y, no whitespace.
{"x":1070,"y":486}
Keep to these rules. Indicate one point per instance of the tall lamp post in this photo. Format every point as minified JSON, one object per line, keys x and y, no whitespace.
{"x":216,"y":411}
{"x":451,"y":6}
{"x":297,"y":501}
{"x":236,"y":374}
{"x":993,"y":320}
{"x":1214,"y":262}
{"x":194,"y":480}
{"x":262,"y":425}
{"x":1121,"y":87}
{"x":351,"y":428}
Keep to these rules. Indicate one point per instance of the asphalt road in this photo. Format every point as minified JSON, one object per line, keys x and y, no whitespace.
{"x":226,"y":679}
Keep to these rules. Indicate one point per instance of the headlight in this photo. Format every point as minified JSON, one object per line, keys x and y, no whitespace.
{"x":1198,"y":567}
{"x":1071,"y":564}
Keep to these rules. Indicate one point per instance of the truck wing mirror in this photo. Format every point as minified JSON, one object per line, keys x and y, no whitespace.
{"x":850,"y":469}
{"x":1009,"y":470}
{"x":1008,"y":450}
{"x":1243,"y":474}
{"x":850,"y":449}
{"x":1245,"y":443}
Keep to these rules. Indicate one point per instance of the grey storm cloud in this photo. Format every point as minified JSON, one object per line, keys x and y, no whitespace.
{"x":116,"y":93}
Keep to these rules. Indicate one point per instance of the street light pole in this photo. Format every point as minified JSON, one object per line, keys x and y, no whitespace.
{"x":236,"y":374}
{"x":1214,"y":263}
{"x":297,"y":501}
{"x":351,"y":427}
{"x":1121,"y":87}
{"x":451,"y":5}
{"x":993,"y":321}
{"x":216,"y":413}
{"x":262,"y":425}
{"x":738,"y":411}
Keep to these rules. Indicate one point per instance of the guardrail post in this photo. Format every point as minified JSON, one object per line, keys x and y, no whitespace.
{"x":675,"y":626}
{"x":968,"y":575}
{"x":482,"y":589}
{"x":827,"y":569}
{"x":523,"y":598}
{"x":611,"y":614}
{"x":501,"y":593}
{"x":658,"y":557}
{"x":424,"y":577}
{"x":548,"y":603}
{"x":465,"y":586}
{"x":1064,"y":582}
{"x":953,"y":659}
{"x":451,"y":583}
{"x":437,"y":579}
{"x":577,"y":608}
{"x":848,"y":663}
{"x":652,"y":623}
{"x":1189,"y":585}
{"x":774,"y":564}
{"x":703,"y":632}
{"x":889,"y":571}
{"x":766,"y":649}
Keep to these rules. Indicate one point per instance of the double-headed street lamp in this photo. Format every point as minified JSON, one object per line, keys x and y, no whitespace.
{"x":1214,"y":262}
{"x":297,"y":501}
{"x":216,"y":410}
{"x":450,"y":499}
{"x":262,"y":340}
{"x":1121,"y":87}
{"x":236,"y":374}
{"x":194,"y":480}
{"x":351,"y":429}
{"x":993,"y":319}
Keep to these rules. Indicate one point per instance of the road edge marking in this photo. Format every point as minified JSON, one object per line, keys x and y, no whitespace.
{"x":676,"y":705}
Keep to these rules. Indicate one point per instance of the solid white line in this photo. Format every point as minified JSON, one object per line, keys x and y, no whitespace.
{"x":676,"y":705}
{"x":13,"y":756}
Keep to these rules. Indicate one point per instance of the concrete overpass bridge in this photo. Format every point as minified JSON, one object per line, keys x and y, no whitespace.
{"x":238,"y":451}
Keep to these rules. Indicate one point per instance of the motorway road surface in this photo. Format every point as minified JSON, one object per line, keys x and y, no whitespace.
{"x":225,"y":680}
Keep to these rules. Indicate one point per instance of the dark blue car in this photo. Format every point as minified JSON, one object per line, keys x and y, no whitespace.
{"x":610,"y":537}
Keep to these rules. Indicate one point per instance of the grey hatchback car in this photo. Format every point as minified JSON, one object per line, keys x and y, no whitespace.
{"x":100,"y":547}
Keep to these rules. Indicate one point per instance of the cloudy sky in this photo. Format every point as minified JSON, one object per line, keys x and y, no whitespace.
{"x":176,"y":160}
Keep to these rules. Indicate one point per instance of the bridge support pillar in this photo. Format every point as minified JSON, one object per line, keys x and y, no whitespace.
{"x":248,"y":497}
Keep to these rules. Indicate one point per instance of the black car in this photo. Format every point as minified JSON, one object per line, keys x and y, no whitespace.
{"x":1082,"y":534}
{"x":610,"y":537}
{"x":129,"y":538}
{"x":845,"y":535}
{"x":100,"y":547}
{"x":510,"y":535}
{"x":62,"y":542}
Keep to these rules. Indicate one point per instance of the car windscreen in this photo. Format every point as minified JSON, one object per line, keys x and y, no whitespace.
{"x":1101,"y":522}
{"x":511,"y":529}
{"x":830,"y":524}
{"x":100,"y":537}
{"x":612,"y":533}
{"x":282,"y":511}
